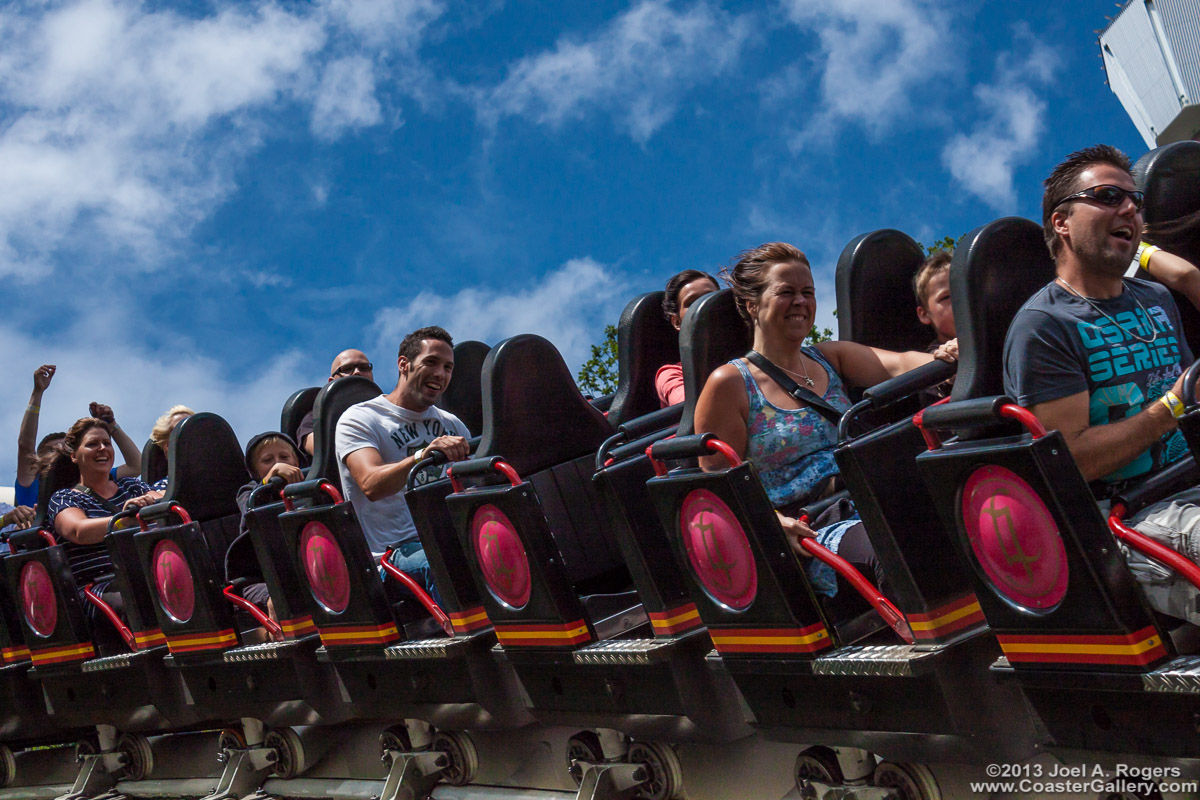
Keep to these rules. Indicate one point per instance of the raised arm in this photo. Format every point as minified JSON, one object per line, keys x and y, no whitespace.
{"x":864,"y":366}
{"x":129,"y":450}
{"x":27,"y":435}
{"x":1173,"y":271}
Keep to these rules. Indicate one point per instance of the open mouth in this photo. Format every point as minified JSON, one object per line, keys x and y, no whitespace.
{"x":1125,"y":234}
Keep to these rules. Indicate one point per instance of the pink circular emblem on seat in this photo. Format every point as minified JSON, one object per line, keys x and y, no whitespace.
{"x":718,"y":550}
{"x":38,"y":600}
{"x":1015,"y":538}
{"x":325,"y":567}
{"x":173,"y":580}
{"x":501,"y":556}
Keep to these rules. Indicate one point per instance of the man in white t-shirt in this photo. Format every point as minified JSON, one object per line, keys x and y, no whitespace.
{"x":379,"y":441}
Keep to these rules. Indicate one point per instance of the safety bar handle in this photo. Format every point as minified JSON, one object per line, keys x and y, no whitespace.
{"x":271,"y":489}
{"x":884,"y":607}
{"x":1148,"y":547}
{"x":692,"y":446}
{"x":1189,"y":385}
{"x":157,"y":511}
{"x":975,"y":413}
{"x":476,"y":467}
{"x":261,"y":618}
{"x":1163,"y":484}
{"x":310,"y":489}
{"x":30,"y":539}
{"x":418,"y":591}
{"x":125,"y":518}
{"x":113,"y":616}
{"x":429,"y":459}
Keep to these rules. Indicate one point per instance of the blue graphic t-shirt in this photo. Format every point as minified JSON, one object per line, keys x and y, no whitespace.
{"x":1124,"y":355}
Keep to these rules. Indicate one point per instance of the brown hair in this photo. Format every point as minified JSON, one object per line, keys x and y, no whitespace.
{"x":670,"y":303}
{"x":1062,"y":179}
{"x":933,"y":266}
{"x":748,"y":275}
{"x":57,"y":465}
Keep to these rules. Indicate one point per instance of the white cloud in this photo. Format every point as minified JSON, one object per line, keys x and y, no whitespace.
{"x":570,"y":307}
{"x":873,"y":55}
{"x":122,"y":127}
{"x":345,"y":98}
{"x":637,"y":68}
{"x":140,"y":386}
{"x":983,"y":161}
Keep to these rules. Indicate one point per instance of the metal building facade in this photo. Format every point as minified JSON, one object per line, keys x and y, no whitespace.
{"x":1151,"y":53}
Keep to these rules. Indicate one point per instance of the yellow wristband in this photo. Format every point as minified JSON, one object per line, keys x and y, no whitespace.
{"x":1143,"y":255}
{"x":1173,"y":403}
{"x":32,"y":409}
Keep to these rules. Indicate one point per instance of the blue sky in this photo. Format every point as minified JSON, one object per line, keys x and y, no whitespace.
{"x":202,"y":202}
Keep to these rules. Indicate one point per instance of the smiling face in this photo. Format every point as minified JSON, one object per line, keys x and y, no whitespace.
{"x":788,"y":303}
{"x":1098,"y":237}
{"x":690,"y":293}
{"x":94,"y":454}
{"x":427,"y":375}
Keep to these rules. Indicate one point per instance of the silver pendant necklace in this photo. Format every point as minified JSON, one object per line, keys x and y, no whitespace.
{"x":1100,"y":311}
{"x":807,"y":380}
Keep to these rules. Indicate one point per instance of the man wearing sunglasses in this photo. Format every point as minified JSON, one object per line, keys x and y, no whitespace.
{"x":348,"y":362}
{"x":1100,"y":357}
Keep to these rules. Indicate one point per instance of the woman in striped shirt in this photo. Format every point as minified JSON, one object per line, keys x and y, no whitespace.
{"x":79,"y":516}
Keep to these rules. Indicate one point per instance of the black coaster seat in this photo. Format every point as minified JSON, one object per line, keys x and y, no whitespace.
{"x":464,"y":396}
{"x":86,"y":677}
{"x":557,"y":589}
{"x":1170,"y":178}
{"x":181,"y":548}
{"x":1076,"y":634}
{"x":645,"y":342}
{"x":315,"y":560}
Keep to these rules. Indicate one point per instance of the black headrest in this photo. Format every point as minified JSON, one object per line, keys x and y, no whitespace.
{"x":996,"y":268}
{"x":875,"y":301}
{"x":645,"y":341}
{"x":296,"y":409}
{"x":206,"y":467}
{"x":333,"y":399}
{"x":1170,"y":177}
{"x":713,"y":332}
{"x":464,"y":396}
{"x":533,"y":414}
{"x":61,"y":474}
{"x":154,"y":462}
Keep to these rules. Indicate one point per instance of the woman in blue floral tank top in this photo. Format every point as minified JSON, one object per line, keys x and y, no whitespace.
{"x":791,"y":444}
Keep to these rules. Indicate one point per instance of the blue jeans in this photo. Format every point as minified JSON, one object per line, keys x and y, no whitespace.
{"x":409,"y":557}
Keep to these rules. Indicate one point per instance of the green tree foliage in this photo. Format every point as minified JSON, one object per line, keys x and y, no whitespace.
{"x":598,"y":375}
{"x":818,"y":335}
{"x":945,"y":243}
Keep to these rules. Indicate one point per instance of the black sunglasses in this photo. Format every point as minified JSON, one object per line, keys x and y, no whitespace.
{"x":1109,"y":195}
{"x":349,"y":369}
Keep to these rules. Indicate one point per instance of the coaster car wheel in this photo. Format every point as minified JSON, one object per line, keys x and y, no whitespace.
{"x":8,"y":766}
{"x":583,"y":746}
{"x":665,"y":779}
{"x":139,"y":758}
{"x":290,"y":752}
{"x":911,"y":781}
{"x":394,"y":738}
{"x":818,"y":764}
{"x":464,"y":760}
{"x":231,"y":739}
